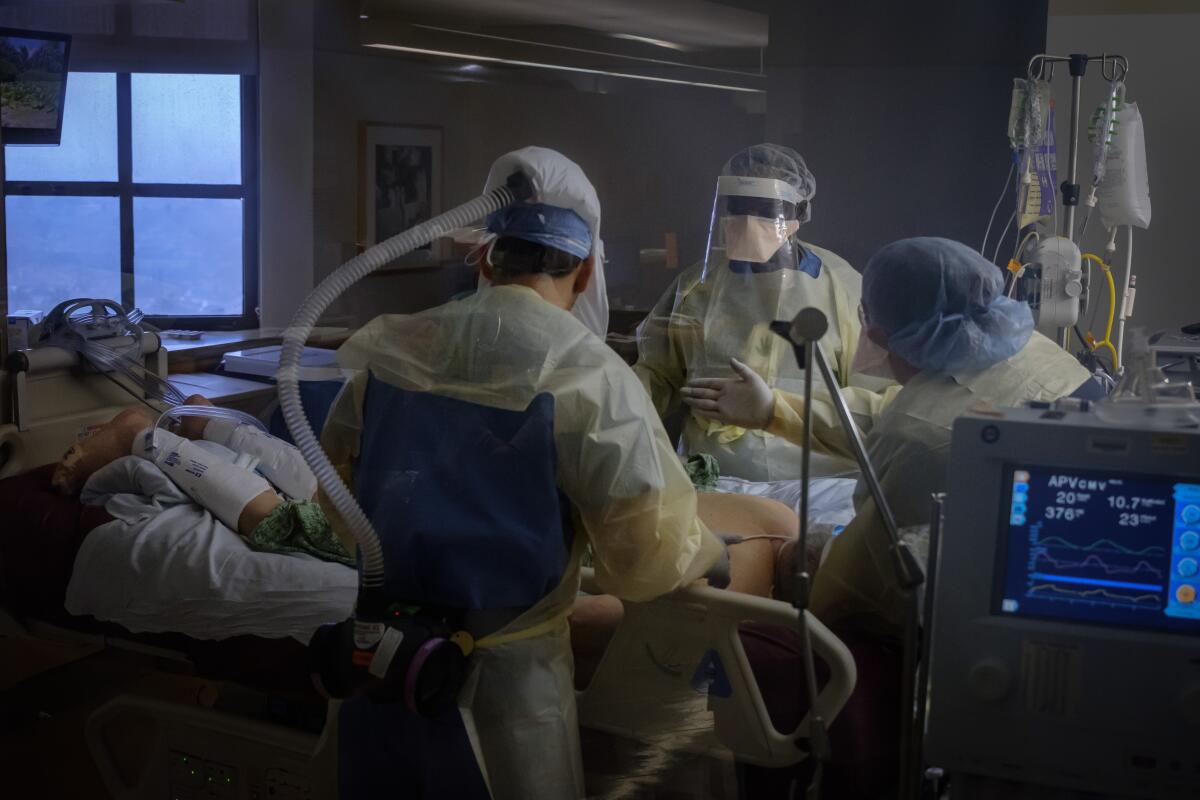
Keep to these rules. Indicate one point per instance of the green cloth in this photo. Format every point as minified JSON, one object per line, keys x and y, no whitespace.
{"x":299,"y":526}
{"x":704,"y":470}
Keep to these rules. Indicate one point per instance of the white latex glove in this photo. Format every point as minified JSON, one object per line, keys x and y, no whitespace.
{"x":745,"y":401}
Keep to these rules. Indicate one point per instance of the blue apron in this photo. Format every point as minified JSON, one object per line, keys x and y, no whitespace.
{"x":466,"y":504}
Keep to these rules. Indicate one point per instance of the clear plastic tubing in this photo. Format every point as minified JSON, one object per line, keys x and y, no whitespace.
{"x":341,"y":279}
{"x":212,"y":412}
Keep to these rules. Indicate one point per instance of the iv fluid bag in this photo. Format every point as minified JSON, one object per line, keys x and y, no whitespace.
{"x":1036,"y":198}
{"x":1102,"y":128}
{"x":1027,"y":113}
{"x":1124,"y":196}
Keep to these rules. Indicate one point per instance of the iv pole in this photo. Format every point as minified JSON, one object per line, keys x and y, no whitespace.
{"x":804,"y":333}
{"x":1113,"y":68}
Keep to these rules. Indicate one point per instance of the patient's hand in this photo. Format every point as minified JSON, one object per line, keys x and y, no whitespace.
{"x":193,"y":427}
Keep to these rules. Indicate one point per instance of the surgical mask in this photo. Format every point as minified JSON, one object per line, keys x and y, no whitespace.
{"x":871,"y":359}
{"x":755,"y":239}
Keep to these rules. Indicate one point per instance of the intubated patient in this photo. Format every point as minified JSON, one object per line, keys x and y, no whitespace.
{"x":254,"y":483}
{"x":271,"y":506}
{"x":274,"y":521}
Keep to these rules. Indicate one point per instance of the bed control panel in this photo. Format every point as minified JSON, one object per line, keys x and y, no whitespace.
{"x":193,"y":778}
{"x":202,"y":754}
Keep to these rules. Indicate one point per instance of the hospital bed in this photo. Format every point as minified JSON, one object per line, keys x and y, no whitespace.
{"x":681,"y":653}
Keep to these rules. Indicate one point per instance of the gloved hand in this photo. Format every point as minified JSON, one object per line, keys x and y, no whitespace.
{"x":745,"y":401}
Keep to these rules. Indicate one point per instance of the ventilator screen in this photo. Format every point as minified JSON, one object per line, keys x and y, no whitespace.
{"x":1101,"y":548}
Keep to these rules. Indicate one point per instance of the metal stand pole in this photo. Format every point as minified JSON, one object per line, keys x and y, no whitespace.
{"x":818,"y":740}
{"x":804,"y":332}
{"x":916,"y":755}
{"x":1070,"y":189}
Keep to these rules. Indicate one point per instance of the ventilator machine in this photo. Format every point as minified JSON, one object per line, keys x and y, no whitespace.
{"x":1064,"y":623}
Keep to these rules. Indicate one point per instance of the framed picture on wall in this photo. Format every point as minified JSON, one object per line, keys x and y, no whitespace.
{"x":400,"y":183}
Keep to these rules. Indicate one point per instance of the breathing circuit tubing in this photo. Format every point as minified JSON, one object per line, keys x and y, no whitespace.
{"x":517,"y":188}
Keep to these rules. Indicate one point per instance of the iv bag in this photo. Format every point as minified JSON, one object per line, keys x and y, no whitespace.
{"x":1124,"y":197}
{"x":1027,"y":113}
{"x":1038,"y":163}
{"x":1102,"y":129}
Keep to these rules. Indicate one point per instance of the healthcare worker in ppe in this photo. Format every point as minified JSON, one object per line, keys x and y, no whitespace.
{"x":490,"y":439}
{"x":713,"y":321}
{"x":935,"y":312}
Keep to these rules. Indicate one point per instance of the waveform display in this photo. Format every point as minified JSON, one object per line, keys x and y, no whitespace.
{"x":1100,"y":546}
{"x":1148,"y":587}
{"x":1054,"y":591}
{"x":1094,"y":561}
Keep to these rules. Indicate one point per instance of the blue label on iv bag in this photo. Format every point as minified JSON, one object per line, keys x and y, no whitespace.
{"x":710,"y":676}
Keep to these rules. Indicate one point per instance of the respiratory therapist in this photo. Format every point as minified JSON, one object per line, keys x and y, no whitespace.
{"x":500,"y":532}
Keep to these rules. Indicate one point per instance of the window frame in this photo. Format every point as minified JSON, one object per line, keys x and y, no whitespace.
{"x":125,"y":190}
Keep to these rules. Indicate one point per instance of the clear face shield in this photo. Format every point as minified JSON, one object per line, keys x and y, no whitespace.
{"x":753,"y":226}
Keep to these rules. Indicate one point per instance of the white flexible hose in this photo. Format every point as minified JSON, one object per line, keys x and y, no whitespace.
{"x":345,"y":276}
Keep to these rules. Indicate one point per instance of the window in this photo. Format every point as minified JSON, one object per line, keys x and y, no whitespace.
{"x":149,"y":200}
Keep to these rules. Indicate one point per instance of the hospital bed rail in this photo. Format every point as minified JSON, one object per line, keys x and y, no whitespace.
{"x":683,"y":653}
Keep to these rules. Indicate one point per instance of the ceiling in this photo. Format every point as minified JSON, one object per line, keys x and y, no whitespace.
{"x":698,"y":24}
{"x":1076,"y":8}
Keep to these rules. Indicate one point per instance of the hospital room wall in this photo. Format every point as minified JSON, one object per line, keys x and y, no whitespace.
{"x":902,"y":122}
{"x":652,"y":155}
{"x":285,"y":107}
{"x":1162,"y":80}
{"x":901,"y":119}
{"x":897,"y":152}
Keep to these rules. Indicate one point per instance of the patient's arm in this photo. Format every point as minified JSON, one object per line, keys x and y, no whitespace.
{"x":111,"y":440}
{"x":107,"y":442}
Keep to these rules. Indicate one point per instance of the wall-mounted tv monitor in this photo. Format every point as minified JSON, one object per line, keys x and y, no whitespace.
{"x":33,"y":85}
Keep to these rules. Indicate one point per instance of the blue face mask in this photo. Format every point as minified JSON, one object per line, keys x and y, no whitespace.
{"x":810,"y":264}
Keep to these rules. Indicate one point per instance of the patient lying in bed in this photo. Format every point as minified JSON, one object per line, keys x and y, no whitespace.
{"x":266,"y":496}
{"x":268,"y":520}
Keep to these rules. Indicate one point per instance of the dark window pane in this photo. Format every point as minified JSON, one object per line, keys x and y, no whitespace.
{"x":187,"y":128}
{"x":60,"y":248}
{"x":187,"y":256}
{"x":88,"y":147}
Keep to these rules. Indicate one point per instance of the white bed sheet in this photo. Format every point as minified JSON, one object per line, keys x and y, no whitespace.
{"x":830,"y":500}
{"x":167,"y":565}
